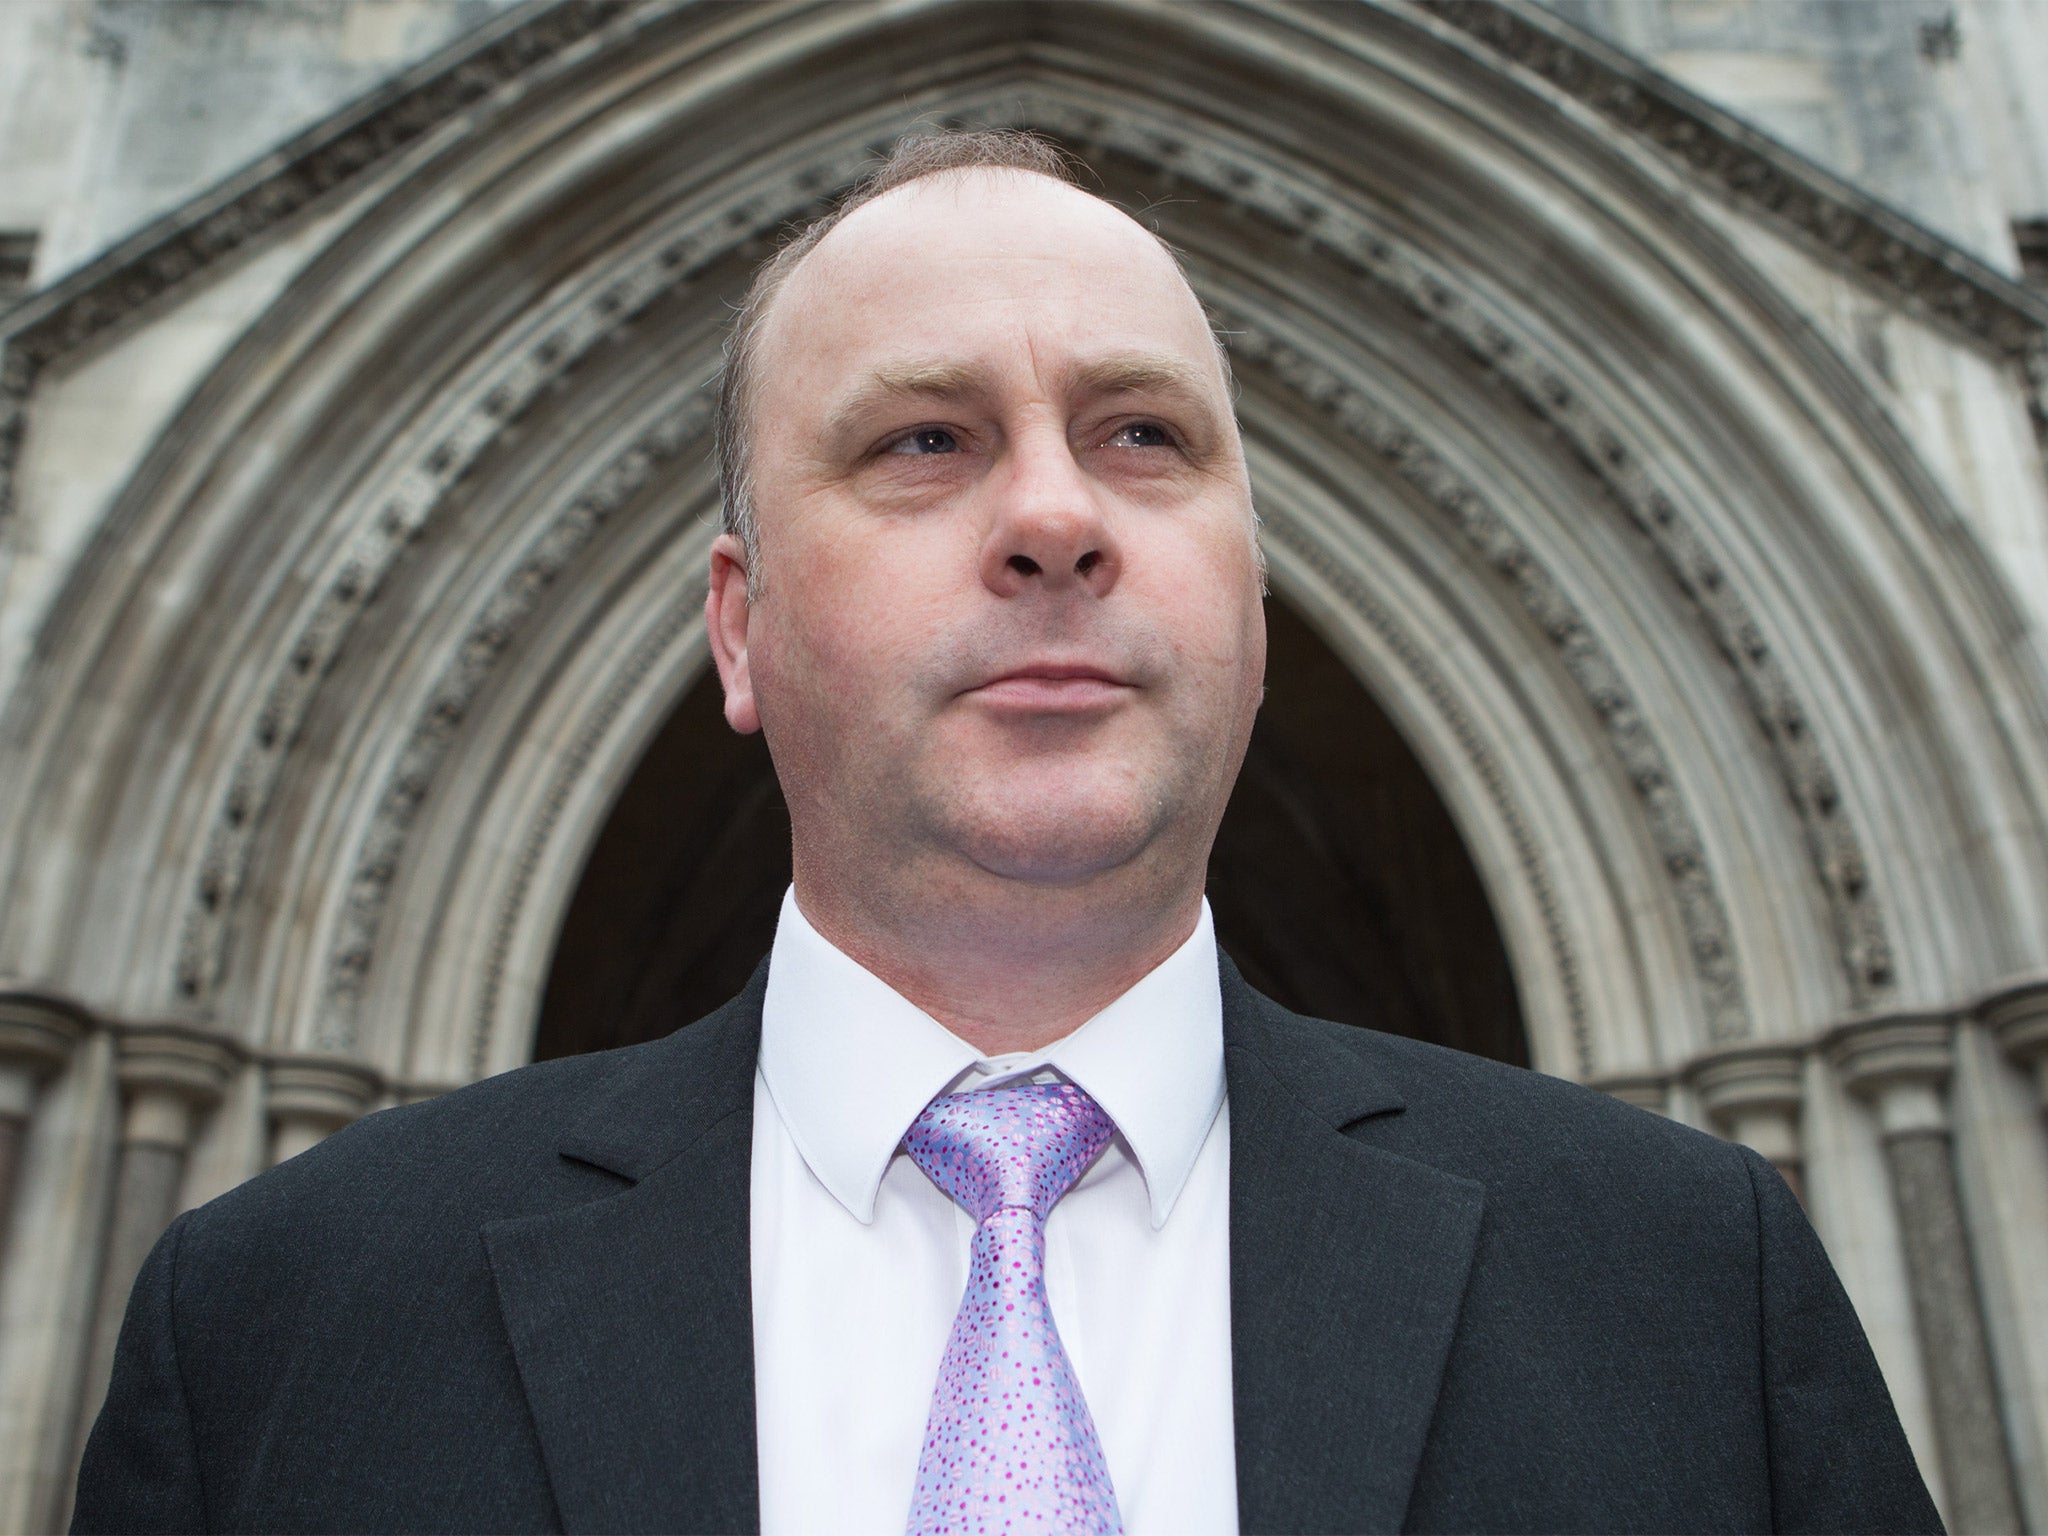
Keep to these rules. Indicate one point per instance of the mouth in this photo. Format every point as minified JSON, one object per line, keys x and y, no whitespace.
{"x":1052,"y":688}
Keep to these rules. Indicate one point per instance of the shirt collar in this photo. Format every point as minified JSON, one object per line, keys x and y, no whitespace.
{"x":850,"y":1062}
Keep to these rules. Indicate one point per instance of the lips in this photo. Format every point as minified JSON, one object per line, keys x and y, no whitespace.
{"x":1053,"y":688}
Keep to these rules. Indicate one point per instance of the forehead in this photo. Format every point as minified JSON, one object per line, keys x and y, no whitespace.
{"x":1002,"y":269}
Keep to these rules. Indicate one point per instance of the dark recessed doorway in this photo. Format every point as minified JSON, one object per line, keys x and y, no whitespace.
{"x":1339,"y":884}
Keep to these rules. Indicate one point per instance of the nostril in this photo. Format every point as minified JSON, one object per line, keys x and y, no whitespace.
{"x":1023,"y":565}
{"x":1088,"y":562}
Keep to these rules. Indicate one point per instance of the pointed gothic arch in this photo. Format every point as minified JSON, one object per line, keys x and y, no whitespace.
{"x":1713,"y":681}
{"x":1708,"y":584}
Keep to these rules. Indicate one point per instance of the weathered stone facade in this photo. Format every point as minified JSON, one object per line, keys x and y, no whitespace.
{"x":1679,"y":493}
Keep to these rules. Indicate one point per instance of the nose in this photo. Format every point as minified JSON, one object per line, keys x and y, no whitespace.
{"x":1049,"y":533}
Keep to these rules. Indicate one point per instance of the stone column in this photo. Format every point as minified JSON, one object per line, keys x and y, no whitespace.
{"x":312,"y":1098}
{"x":2018,"y":1019}
{"x":169,"y":1076}
{"x":1901,"y":1063}
{"x":37,"y":1034}
{"x":1753,"y":1093}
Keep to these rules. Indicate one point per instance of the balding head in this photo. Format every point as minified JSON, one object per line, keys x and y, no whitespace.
{"x":913,"y":161}
{"x":1010,"y":643}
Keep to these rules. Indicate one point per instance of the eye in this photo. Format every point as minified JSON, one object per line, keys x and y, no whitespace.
{"x":926,"y":440}
{"x":1140,"y":434}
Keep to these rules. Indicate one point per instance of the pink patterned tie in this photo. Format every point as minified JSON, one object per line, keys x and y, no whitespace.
{"x":1010,"y":1445}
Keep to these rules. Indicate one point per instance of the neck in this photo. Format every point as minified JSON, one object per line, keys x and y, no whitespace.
{"x":1011,"y":974}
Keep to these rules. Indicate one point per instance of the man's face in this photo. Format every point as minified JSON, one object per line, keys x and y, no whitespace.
{"x":1009,"y":620}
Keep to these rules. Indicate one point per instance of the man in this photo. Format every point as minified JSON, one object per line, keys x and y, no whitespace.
{"x":998,"y":1201}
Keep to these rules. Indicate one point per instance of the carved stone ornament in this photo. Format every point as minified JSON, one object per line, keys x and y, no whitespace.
{"x":37,"y":1036}
{"x":477,"y":414}
{"x":2017,"y":1015}
{"x":168,"y":254}
{"x":1503,"y":346}
{"x":140,"y":271}
{"x":317,"y":1088}
{"x":1901,"y":1063}
{"x":1754,"y":1093}
{"x":1443,"y":698}
{"x":603,"y":306}
{"x":1487,"y":532}
{"x":550,"y":549}
{"x":626,"y":681}
{"x":1877,"y":243}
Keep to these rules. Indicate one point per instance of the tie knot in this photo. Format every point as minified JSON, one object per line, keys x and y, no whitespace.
{"x":1023,"y":1145}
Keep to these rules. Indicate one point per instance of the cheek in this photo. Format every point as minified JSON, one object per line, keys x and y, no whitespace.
{"x":847,"y":638}
{"x":1212,"y":595}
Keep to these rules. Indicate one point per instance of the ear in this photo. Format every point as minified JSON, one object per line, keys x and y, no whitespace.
{"x":726,"y":617}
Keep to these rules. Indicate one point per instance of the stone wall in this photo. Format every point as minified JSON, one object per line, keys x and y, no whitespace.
{"x":112,"y":112}
{"x":1932,"y":105}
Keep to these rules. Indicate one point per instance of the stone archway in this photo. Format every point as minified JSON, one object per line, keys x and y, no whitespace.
{"x":1683,"y":566}
{"x":317,"y":737}
{"x":1338,"y":882}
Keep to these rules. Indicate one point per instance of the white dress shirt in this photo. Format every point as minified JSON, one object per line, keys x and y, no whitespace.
{"x":859,"y":1261}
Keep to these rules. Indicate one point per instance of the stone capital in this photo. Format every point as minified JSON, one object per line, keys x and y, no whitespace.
{"x":169,"y":1073}
{"x":1754,"y":1093}
{"x":37,"y":1035}
{"x":2017,"y":1015}
{"x":1748,"y":1077}
{"x":324,"y":1091}
{"x":1900,"y":1063}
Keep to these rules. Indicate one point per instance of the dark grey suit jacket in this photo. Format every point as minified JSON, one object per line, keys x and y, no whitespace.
{"x":1464,"y":1297}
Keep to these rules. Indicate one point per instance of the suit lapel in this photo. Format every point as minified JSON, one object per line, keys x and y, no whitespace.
{"x":1347,"y":1268}
{"x":631,"y":1316}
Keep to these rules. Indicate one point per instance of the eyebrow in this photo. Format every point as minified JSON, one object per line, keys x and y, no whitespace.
{"x":1119,"y":374}
{"x":1141,"y":373}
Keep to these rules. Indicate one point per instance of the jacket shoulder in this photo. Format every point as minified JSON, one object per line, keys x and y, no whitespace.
{"x":519,"y":1143}
{"x":1519,"y":1103}
{"x":1527,"y":1136}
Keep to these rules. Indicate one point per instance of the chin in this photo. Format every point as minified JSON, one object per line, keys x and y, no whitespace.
{"x":1057,"y":845}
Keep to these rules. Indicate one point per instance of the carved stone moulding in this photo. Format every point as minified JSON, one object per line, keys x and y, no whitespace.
{"x":1881,"y":246}
{"x":1508,"y":351}
{"x":1490,"y":535}
{"x":1497,"y":782}
{"x":396,"y":512}
{"x":311,"y":1097}
{"x":38,"y":1032}
{"x":553,"y":546}
{"x":169,"y":1075}
{"x":111,"y":290}
{"x":1901,"y":1063}
{"x":1754,"y":1093}
{"x":488,"y":1024}
{"x":2017,"y":1014}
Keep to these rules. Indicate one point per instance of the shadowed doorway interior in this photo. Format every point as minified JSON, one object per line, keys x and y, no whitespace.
{"x":1339,"y":883}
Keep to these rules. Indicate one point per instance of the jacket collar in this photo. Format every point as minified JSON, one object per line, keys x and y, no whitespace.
{"x":1348,"y":1265}
{"x":631,"y":1317}
{"x":850,"y":1063}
